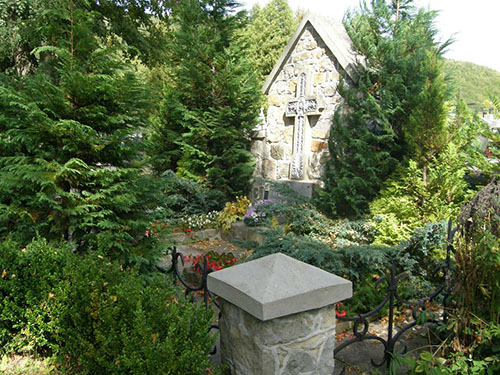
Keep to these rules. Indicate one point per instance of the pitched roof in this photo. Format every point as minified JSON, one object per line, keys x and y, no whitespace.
{"x":335,"y":37}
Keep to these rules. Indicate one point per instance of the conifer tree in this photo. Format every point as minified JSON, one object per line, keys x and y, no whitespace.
{"x":398,"y":94}
{"x":26,"y":24}
{"x":70,"y":162}
{"x":212,"y":101}
{"x":267,"y":33}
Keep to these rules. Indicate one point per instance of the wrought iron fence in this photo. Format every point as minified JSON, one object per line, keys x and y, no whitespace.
{"x":190,"y":289}
{"x":361,"y":323}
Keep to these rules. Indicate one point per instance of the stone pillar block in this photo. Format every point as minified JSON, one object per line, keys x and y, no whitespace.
{"x":278,"y":316}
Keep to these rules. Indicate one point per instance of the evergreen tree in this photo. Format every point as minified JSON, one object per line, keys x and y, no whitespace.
{"x":211,"y":102}
{"x":70,"y":162}
{"x":27,"y":24}
{"x":268,"y":31}
{"x":398,"y":93}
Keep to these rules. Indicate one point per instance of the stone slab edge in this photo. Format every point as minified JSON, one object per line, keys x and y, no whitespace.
{"x":282,"y":307}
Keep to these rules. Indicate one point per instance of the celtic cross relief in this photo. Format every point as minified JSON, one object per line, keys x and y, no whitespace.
{"x":299,"y":108}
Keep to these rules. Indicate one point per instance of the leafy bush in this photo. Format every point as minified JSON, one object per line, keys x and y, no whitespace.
{"x":409,"y":201}
{"x":358,"y":264}
{"x":477,"y":265}
{"x":362,"y":264}
{"x":96,"y":316}
{"x":342,"y":233}
{"x":300,"y":248}
{"x":119,"y":323}
{"x":70,"y":163}
{"x":458,"y":362}
{"x":232,"y":212}
{"x":186,"y":197}
{"x":29,"y":280}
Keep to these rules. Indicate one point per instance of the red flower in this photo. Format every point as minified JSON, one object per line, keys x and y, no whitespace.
{"x":340,"y":314}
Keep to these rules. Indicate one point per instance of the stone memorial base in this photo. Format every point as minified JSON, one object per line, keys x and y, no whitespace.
{"x":262,"y":189}
{"x":296,"y":344}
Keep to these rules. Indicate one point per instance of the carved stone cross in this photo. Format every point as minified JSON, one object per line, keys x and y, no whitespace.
{"x":300,"y":108}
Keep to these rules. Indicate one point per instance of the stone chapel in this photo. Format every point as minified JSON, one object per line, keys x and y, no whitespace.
{"x":291,"y":143}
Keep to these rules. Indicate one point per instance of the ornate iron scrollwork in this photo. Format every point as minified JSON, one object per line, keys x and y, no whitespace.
{"x":392,"y":298}
{"x":189,"y":288}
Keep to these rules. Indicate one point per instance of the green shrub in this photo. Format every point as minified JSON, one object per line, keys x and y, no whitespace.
{"x":186,"y":197}
{"x":232,"y":212}
{"x":361,"y":264}
{"x":299,"y":247}
{"x":358,"y":264}
{"x":30,"y":278}
{"x":411,"y":199}
{"x":96,"y":316}
{"x":116,"y":322}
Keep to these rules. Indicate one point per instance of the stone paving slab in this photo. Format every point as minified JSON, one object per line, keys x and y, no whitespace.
{"x":357,"y":357}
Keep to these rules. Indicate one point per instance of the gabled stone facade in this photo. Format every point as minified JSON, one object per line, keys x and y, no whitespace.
{"x":291,"y":144}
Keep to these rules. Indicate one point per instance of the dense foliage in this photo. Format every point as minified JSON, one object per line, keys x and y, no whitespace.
{"x":406,"y":202}
{"x":95,"y":316}
{"x":211,"y":100}
{"x":70,"y":158}
{"x":268,"y":31}
{"x":28,"y":24}
{"x":397,"y":94}
{"x":124,"y":122}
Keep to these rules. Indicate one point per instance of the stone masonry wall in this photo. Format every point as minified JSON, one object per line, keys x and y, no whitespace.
{"x":300,"y":343}
{"x":273,"y":145}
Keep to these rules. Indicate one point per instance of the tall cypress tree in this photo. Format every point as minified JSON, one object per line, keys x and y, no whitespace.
{"x":267,"y":33}
{"x":398,"y":95}
{"x":70,"y":162}
{"x":212,"y":101}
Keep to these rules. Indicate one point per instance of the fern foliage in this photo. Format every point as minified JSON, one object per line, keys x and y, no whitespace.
{"x":70,"y":158}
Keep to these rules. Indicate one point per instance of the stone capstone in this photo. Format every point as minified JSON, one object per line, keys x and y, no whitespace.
{"x":280,"y":286}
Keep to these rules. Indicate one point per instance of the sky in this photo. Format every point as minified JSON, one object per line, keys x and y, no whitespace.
{"x":475,"y":25}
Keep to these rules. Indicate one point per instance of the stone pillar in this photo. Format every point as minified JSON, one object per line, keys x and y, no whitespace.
{"x":278,"y":316}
